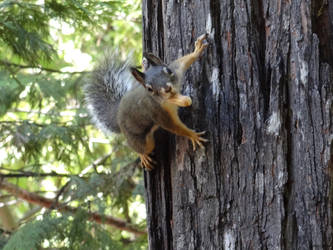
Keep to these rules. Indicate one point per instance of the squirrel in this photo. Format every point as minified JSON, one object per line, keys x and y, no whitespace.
{"x":116,"y":103}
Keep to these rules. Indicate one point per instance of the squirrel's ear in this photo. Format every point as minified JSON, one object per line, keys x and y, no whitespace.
{"x":138,"y":75}
{"x":153,"y":60}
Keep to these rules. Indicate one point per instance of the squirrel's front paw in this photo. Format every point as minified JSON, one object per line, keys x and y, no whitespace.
{"x":196,"y":138}
{"x":146,"y":162}
{"x":200,"y":45}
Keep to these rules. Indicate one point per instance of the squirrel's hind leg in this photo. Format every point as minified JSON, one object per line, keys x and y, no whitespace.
{"x":143,"y":144}
{"x":146,"y":161}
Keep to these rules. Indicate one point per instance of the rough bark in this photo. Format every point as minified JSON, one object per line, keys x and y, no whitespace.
{"x":264,"y":91}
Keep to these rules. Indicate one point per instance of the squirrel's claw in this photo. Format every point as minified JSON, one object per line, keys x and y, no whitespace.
{"x":146,"y":162}
{"x":197,"y":139}
{"x":200,"y":45}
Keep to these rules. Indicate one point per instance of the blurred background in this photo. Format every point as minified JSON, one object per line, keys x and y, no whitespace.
{"x":51,"y":155}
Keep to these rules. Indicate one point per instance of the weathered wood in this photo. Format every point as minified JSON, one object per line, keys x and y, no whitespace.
{"x":263,"y":90}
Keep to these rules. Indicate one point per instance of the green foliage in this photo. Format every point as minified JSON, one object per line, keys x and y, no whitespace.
{"x":9,"y":91}
{"x":47,"y":50}
{"x":25,"y":25}
{"x":64,"y":232}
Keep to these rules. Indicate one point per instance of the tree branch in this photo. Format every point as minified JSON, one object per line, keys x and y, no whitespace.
{"x":99,"y":161}
{"x":30,"y":122}
{"x":32,"y":174}
{"x":20,"y":66}
{"x":49,"y":203}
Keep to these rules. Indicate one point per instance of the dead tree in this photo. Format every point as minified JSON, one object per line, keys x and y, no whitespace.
{"x":263,"y":91}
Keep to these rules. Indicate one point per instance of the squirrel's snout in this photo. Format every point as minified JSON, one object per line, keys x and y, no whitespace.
{"x":187,"y":101}
{"x":181,"y":100}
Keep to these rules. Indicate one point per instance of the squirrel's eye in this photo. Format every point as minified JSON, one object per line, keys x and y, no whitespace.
{"x":149,"y":88}
{"x":168,"y":89}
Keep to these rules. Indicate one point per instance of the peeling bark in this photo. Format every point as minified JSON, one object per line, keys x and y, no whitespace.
{"x":264,"y":91}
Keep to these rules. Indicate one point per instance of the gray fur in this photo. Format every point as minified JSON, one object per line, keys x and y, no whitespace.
{"x":104,"y":90}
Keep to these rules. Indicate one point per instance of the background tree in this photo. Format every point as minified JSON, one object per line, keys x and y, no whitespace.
{"x":263,"y":91}
{"x":62,"y":183}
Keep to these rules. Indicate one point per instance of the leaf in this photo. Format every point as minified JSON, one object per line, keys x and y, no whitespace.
{"x":9,"y":92}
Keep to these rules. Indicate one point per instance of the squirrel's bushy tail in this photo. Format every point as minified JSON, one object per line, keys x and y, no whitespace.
{"x":104,"y":90}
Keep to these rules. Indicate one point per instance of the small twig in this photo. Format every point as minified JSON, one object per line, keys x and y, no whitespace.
{"x":30,"y":122}
{"x":16,"y":110}
{"x":30,"y":213}
{"x":56,"y":199}
{"x":32,"y":174}
{"x":16,"y":79}
{"x":20,"y":66}
{"x":97,"y":162}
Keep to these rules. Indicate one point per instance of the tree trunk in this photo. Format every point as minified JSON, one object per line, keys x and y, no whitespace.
{"x":263,"y":90}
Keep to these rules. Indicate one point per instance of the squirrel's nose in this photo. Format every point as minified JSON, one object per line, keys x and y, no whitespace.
{"x":188,"y":101}
{"x":181,"y":100}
